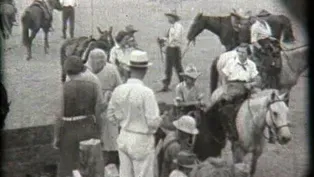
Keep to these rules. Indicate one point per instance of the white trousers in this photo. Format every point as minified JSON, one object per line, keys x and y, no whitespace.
{"x":136,"y":168}
{"x":136,"y":154}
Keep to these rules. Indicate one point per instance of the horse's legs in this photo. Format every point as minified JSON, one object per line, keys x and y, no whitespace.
{"x":237,"y":154}
{"x":46,"y":44}
{"x":29,"y":46}
{"x":255,"y":156}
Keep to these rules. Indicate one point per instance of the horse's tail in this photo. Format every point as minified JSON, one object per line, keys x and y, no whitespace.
{"x":214,"y":75}
{"x":25,"y":23}
{"x":287,"y":32}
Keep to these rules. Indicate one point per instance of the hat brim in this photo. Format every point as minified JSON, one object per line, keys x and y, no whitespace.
{"x":186,"y":166}
{"x":173,"y":15}
{"x":193,"y":132}
{"x":191,"y":75}
{"x":140,"y":66}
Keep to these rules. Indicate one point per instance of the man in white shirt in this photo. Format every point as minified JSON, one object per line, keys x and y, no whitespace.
{"x":134,"y":108}
{"x":68,"y":14}
{"x":173,"y":42}
{"x":242,"y":78}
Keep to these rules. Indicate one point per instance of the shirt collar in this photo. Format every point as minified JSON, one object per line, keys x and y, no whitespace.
{"x":238,"y":61}
{"x":134,"y":81}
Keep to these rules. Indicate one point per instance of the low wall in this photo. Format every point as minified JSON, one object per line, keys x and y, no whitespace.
{"x":27,"y":151}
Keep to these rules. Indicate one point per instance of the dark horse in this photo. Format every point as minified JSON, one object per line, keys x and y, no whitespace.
{"x":7,"y":12}
{"x":33,"y":19}
{"x":83,"y":45}
{"x":229,"y":37}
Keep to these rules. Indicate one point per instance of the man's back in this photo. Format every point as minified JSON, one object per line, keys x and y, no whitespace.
{"x":135,"y":106}
{"x":79,"y":98}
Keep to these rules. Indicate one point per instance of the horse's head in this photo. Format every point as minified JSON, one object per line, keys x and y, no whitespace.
{"x":277,"y":117}
{"x":240,"y":23}
{"x":55,"y":4}
{"x":106,"y":36}
{"x":197,"y":27}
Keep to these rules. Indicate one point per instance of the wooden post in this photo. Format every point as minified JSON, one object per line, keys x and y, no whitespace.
{"x":91,"y":158}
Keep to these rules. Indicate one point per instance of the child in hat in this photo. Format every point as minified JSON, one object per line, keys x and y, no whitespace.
{"x":188,"y":94}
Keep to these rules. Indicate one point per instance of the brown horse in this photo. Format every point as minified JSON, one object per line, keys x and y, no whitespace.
{"x":81,"y":46}
{"x":34,"y":19}
{"x":7,"y":12}
{"x":222,"y":26}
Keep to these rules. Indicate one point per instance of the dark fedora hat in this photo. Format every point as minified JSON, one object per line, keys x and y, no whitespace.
{"x":73,"y":65}
{"x":130,"y":29}
{"x":173,"y":14}
{"x":121,"y":34}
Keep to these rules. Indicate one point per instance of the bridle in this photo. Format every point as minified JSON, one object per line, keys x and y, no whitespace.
{"x":277,"y":128}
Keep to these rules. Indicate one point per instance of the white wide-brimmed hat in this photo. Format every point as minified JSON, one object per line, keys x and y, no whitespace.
{"x":191,"y":71}
{"x":173,"y":13}
{"x":241,"y":13}
{"x":139,"y":59}
{"x":186,"y":124}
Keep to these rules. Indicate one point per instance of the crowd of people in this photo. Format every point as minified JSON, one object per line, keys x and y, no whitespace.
{"x":109,"y":101}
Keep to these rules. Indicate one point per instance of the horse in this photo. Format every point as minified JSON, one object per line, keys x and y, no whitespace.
{"x":223,"y":27}
{"x":33,"y":19}
{"x":294,"y":63}
{"x":81,"y":46}
{"x":266,"y":108}
{"x":7,"y":12}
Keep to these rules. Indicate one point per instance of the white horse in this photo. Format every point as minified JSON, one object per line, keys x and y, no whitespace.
{"x":264,"y":109}
{"x":294,"y":63}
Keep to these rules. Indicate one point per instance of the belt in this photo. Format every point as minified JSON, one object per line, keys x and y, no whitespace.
{"x":240,"y":81}
{"x":74,"y":118}
{"x":136,"y":132}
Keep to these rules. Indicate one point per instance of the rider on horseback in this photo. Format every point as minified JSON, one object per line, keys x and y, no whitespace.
{"x":242,"y":79}
{"x":188,"y":95}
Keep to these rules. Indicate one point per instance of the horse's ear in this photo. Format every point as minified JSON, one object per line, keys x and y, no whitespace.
{"x":284,"y":96}
{"x":99,"y":30}
{"x":273,"y":96}
{"x":198,"y":16}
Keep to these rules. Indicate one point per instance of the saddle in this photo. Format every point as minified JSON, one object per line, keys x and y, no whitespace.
{"x":79,"y":45}
{"x":44,"y":7}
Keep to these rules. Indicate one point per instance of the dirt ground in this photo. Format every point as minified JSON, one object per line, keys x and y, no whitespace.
{"x":34,"y":86}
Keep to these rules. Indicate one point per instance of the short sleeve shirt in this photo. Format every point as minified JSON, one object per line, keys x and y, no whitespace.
{"x":185,"y":94}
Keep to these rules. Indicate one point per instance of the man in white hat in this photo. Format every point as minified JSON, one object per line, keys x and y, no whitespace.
{"x":188,"y":94}
{"x":174,"y":142}
{"x":134,"y":108}
{"x":173,"y":42}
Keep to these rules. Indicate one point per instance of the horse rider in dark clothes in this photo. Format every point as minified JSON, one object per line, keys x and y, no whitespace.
{"x":173,"y":42}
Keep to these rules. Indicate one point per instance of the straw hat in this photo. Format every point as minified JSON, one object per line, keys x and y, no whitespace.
{"x":191,"y":71}
{"x":73,"y":65}
{"x":186,"y":124}
{"x":186,"y":159}
{"x":139,"y":59}
{"x":241,"y":13}
{"x":173,"y":13}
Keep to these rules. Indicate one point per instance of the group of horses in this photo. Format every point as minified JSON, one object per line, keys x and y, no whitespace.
{"x":265,"y":109}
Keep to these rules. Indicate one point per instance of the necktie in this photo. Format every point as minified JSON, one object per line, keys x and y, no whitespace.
{"x":243,"y":66}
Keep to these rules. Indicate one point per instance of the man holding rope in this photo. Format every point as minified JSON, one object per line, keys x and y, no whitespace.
{"x":173,"y":42}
